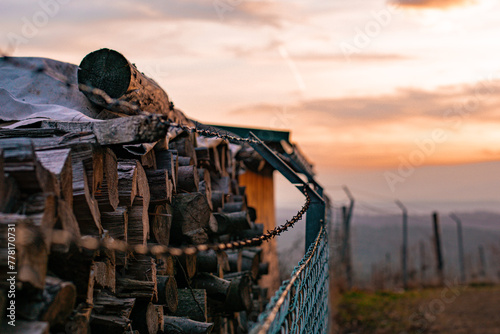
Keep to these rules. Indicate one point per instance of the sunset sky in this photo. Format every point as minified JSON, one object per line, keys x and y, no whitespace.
{"x":396,"y":99}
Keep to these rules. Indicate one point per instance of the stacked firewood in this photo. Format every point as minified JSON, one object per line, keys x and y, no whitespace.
{"x":134,"y":180}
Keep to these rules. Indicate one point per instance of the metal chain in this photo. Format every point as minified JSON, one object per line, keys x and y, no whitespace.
{"x":93,"y":243}
{"x":214,"y":133}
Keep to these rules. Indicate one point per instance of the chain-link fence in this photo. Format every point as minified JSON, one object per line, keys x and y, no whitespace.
{"x":301,"y":303}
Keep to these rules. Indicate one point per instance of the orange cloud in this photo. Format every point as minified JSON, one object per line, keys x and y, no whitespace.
{"x":379,"y":131}
{"x":437,"y":4}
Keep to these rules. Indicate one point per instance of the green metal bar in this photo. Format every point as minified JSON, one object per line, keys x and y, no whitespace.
{"x":315,"y":216}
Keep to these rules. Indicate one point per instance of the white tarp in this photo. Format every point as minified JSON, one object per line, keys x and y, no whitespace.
{"x":28,"y":95}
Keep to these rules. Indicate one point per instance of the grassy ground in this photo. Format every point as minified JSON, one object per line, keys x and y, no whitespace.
{"x":457,"y":309}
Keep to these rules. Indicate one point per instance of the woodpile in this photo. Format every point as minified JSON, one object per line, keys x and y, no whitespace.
{"x":125,"y":181}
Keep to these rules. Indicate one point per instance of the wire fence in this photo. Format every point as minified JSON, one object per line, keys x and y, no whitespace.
{"x":301,"y":303}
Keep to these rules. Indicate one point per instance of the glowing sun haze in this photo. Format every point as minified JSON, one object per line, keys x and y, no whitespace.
{"x":363,"y":84}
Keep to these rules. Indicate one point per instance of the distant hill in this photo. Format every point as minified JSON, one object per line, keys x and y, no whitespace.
{"x":377,"y":240}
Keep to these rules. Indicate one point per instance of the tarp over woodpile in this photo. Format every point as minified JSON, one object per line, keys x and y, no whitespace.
{"x":29,"y":94}
{"x":34,"y":89}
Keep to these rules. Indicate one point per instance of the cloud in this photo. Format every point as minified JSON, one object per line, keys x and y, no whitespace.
{"x":405,"y":103}
{"x":374,"y":131}
{"x":365,"y":57}
{"x":436,"y":4}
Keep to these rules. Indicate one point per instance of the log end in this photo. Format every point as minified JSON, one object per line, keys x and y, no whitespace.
{"x":107,"y":70}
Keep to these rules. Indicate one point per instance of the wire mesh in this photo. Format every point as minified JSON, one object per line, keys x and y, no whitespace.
{"x":301,"y":303}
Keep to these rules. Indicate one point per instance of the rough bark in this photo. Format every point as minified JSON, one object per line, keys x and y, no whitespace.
{"x":188,"y":179}
{"x":159,"y":185}
{"x":192,"y":304}
{"x":144,"y":317}
{"x":111,"y":314}
{"x":191,"y":218}
{"x":161,"y":222}
{"x":167,"y":292}
{"x":179,"y":325}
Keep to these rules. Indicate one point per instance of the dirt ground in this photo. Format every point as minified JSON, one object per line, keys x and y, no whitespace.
{"x":475,"y":310}
{"x":452,"y":309}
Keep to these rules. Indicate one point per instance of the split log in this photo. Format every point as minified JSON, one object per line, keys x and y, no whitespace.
{"x":239,"y":296}
{"x":127,"y":181}
{"x":167,"y":292}
{"x":235,"y":190}
{"x":255,"y":231}
{"x":92,"y":157}
{"x":192,"y":304}
{"x":132,"y":288}
{"x":216,"y":288}
{"x":116,"y":223}
{"x":160,"y":314}
{"x":179,"y":325}
{"x":132,"y":182}
{"x":235,"y":294}
{"x":102,"y":273}
{"x":215,"y":160}
{"x":234,"y":207}
{"x":187,"y":267}
{"x":222,"y":148}
{"x":161,"y":222}
{"x":111,"y":314}
{"x":222,"y":183}
{"x":58,"y":165}
{"x":143,"y":268}
{"x":20,"y":163}
{"x":239,"y":220}
{"x":213,"y":225}
{"x":31,"y":252}
{"x":69,"y":224}
{"x":11,"y":194}
{"x":185,"y":144}
{"x":79,"y":322}
{"x":165,"y":265}
{"x":75,"y":266}
{"x":107,"y":193}
{"x":148,"y":159}
{"x":202,"y":155}
{"x":61,"y":297}
{"x":159,"y":185}
{"x":232,"y":222}
{"x":245,"y":260}
{"x":138,"y":223}
{"x":53,"y":304}
{"x":165,"y":160}
{"x":238,"y":198}
{"x":122,"y":130}
{"x":43,"y":207}
{"x":185,"y":161}
{"x":213,"y":262}
{"x":191,"y":218}
{"x":144,"y":318}
{"x":188,"y":179}
{"x":218,"y":198}
{"x":85,"y":206}
{"x":205,"y":185}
